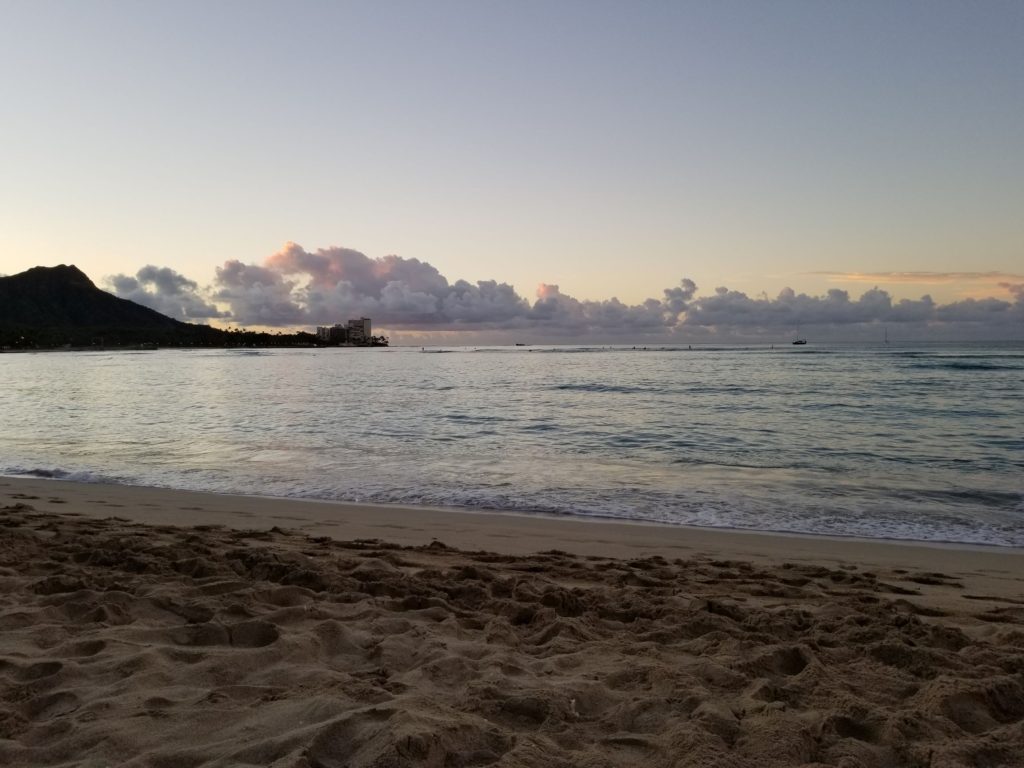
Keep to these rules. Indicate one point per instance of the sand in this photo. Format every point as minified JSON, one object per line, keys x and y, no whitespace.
{"x":147,"y":627}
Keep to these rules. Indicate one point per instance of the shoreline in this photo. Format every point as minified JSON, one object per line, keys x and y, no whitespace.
{"x":603,"y":519}
{"x":996,"y":570}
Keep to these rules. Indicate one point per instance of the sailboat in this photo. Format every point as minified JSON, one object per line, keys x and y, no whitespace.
{"x":799,"y":340}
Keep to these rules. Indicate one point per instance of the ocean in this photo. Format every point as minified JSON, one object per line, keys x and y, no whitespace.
{"x":889,"y":441}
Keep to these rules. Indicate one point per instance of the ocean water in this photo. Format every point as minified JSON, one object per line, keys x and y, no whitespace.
{"x":923,"y":443}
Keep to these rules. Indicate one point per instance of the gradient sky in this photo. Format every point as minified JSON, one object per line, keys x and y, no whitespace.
{"x":609,"y":148}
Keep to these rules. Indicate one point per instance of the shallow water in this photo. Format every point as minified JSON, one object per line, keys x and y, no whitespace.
{"x":887,"y":441}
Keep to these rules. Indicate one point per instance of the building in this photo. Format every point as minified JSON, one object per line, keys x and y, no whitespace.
{"x":359,"y":331}
{"x":356,"y":333}
{"x":332,"y":334}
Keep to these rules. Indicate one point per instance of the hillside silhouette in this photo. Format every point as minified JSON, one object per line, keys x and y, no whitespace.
{"x":52,"y":307}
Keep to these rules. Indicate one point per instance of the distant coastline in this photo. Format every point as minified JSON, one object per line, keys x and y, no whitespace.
{"x":61,"y":309}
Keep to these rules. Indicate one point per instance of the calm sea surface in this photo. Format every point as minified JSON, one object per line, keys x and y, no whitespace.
{"x":888,"y":441}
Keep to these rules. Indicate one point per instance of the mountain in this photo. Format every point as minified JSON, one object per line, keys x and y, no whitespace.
{"x":53,"y":307}
{"x":63,"y":297}
{"x":50,"y":307}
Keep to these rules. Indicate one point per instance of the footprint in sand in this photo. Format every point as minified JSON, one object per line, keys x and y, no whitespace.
{"x":87,"y":648}
{"x":51,"y":705}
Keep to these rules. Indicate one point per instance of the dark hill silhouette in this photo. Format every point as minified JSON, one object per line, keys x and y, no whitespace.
{"x":64,"y":297}
{"x":46,"y":307}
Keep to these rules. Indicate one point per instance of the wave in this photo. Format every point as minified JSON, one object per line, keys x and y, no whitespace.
{"x":475,"y":418}
{"x":1013,"y":500}
{"x":665,"y":509}
{"x":636,"y":389}
{"x":77,"y":476}
{"x":965,"y":365}
{"x":567,"y":350}
{"x":733,"y":515}
{"x":596,"y":387}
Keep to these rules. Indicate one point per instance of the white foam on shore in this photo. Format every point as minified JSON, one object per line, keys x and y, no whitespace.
{"x":719,"y":514}
{"x":77,"y":476}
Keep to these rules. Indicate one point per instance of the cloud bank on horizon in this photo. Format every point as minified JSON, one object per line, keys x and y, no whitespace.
{"x":295,"y":287}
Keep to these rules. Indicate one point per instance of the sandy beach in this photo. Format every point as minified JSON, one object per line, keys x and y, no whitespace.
{"x":150,"y":627}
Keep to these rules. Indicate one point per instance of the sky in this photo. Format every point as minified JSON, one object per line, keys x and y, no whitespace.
{"x":562,"y":168}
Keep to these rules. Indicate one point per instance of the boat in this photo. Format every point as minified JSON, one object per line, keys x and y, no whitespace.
{"x":799,"y":340}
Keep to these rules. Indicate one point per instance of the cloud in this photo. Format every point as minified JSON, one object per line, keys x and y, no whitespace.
{"x":295,"y":287}
{"x":1015,"y":289}
{"x":258,"y":295}
{"x":166,"y":291}
{"x":836,"y":315}
{"x":920,"y":278}
{"x":976,"y":285}
{"x":677,"y":299}
{"x":975,"y":311}
{"x":487,"y":302}
{"x":330,"y":266}
{"x":735,"y":310}
{"x":554,"y":309}
{"x":329,"y":285}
